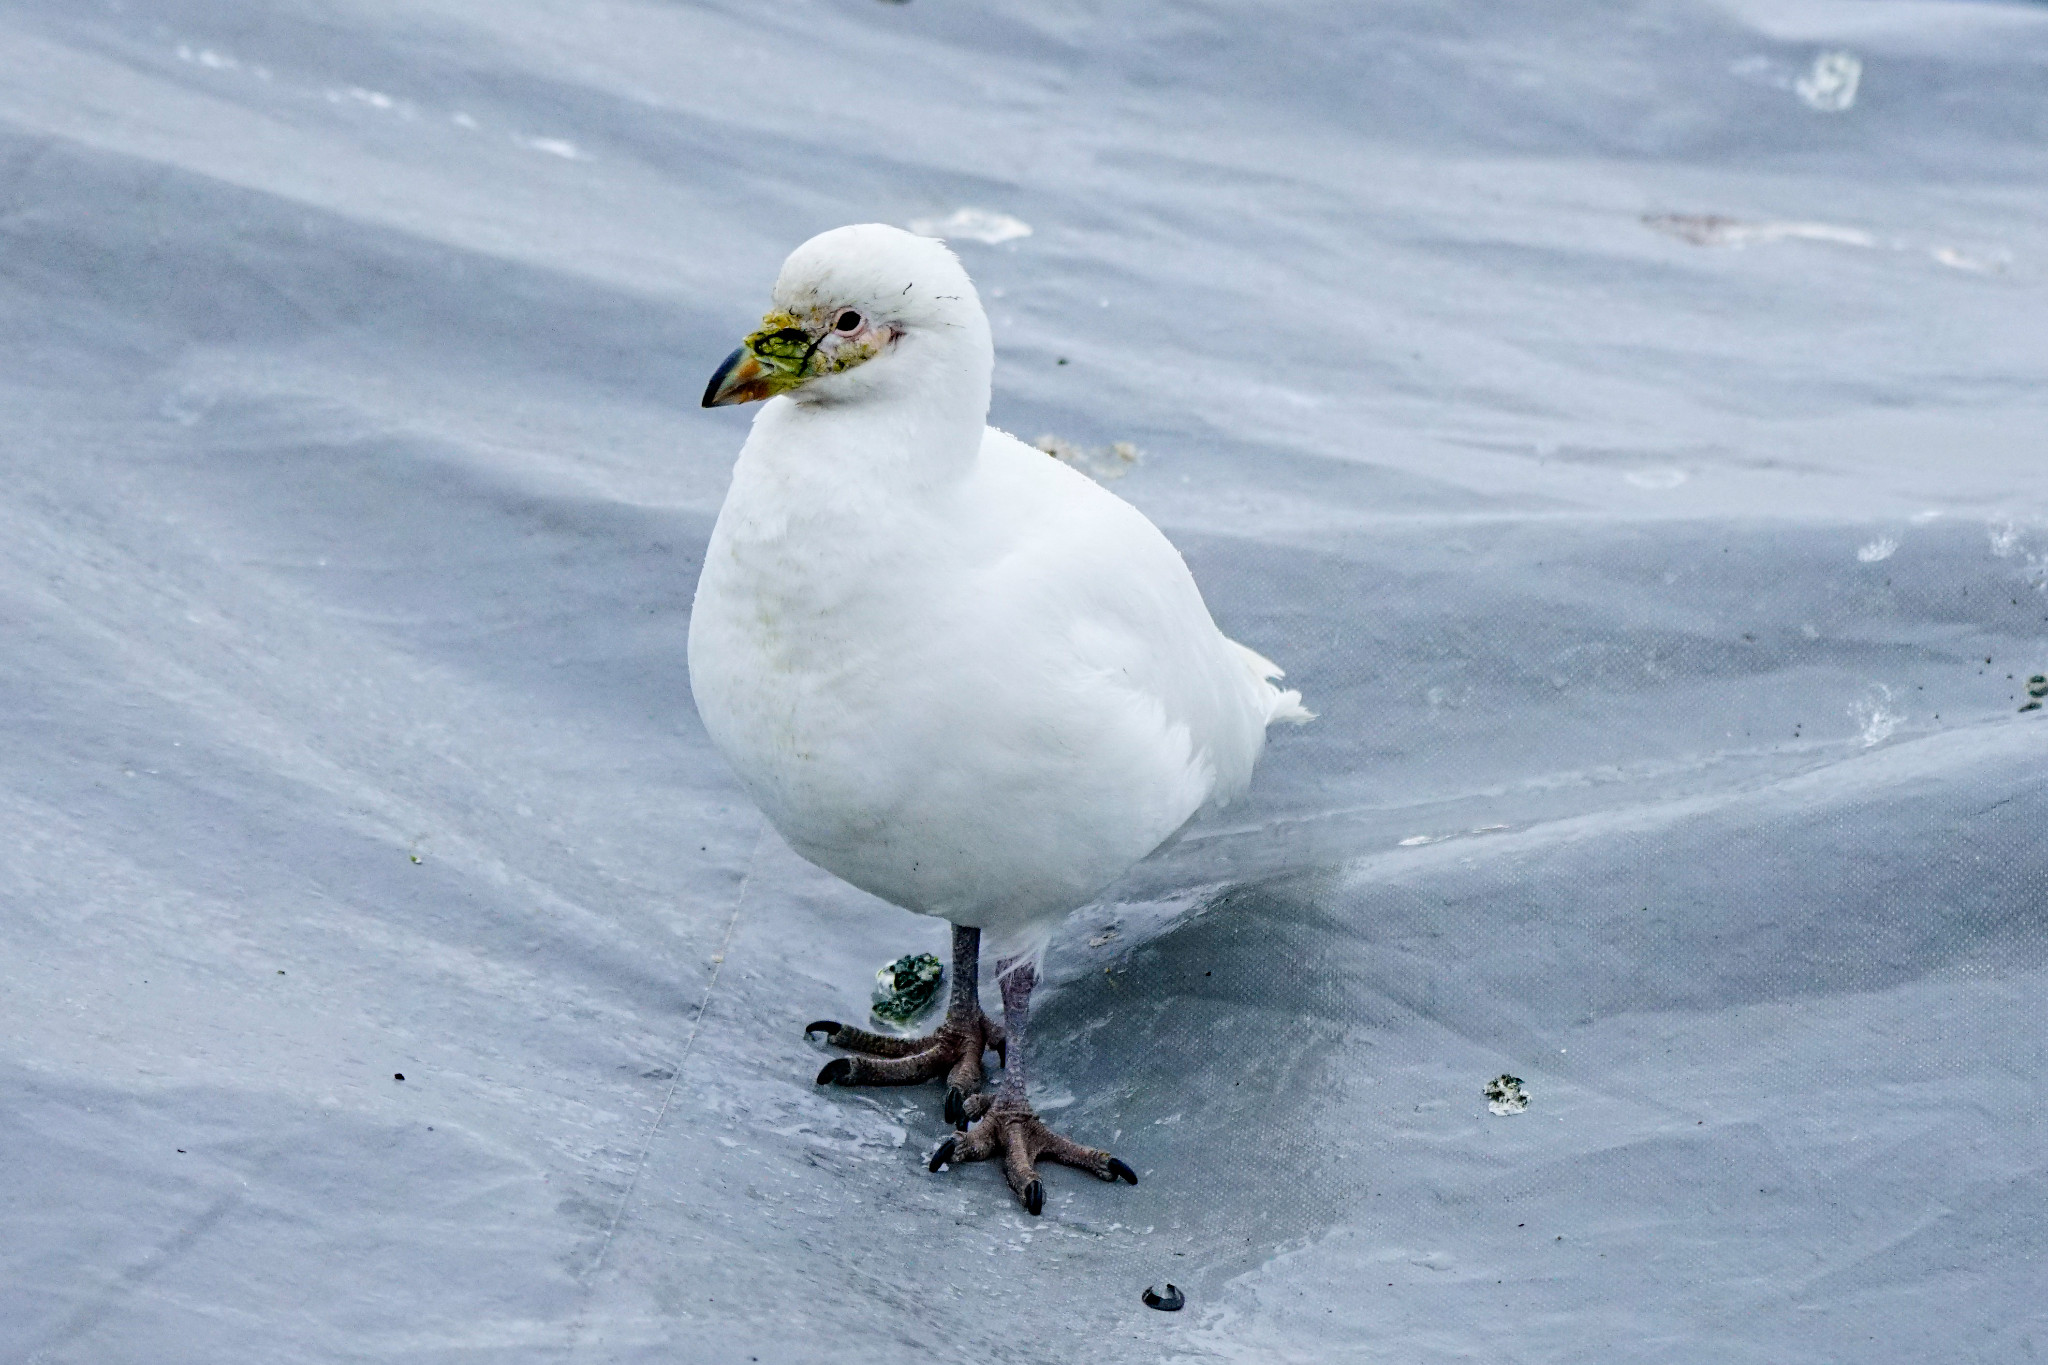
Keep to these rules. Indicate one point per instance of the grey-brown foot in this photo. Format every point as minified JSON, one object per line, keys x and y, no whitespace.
{"x":953,"y":1051}
{"x":1010,"y":1130}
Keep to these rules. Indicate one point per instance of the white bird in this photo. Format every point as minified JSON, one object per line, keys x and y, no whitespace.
{"x":949,"y":668}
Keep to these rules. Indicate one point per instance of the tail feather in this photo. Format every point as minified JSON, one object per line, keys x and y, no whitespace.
{"x":1281,"y":703}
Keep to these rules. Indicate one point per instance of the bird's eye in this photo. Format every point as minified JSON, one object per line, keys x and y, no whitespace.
{"x":849,"y":321}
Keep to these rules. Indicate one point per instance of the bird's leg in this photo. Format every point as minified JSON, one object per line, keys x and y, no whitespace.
{"x":1008,"y":1127}
{"x":953,"y":1050}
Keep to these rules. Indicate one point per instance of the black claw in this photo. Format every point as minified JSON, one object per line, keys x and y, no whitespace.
{"x":1172,"y":1301}
{"x":1119,"y":1171}
{"x":828,"y":1027}
{"x":838,"y":1071}
{"x":941,"y":1157}
{"x":956,"y":1106}
{"x":1034,"y":1198}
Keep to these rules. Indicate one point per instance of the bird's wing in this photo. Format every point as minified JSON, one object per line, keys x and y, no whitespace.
{"x":1135,"y":625}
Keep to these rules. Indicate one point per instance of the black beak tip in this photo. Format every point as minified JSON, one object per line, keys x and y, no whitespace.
{"x":718,"y":377}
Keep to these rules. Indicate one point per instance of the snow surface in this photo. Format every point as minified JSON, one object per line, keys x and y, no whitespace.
{"x":1637,"y":460}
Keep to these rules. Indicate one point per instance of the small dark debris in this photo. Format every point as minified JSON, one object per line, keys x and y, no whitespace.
{"x":1063,"y":360}
{"x":1170,"y":1302}
{"x":181,"y":1151}
{"x":2031,"y":706}
{"x":398,"y":1075}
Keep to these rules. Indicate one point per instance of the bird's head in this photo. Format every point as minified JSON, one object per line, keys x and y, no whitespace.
{"x":852,"y":309}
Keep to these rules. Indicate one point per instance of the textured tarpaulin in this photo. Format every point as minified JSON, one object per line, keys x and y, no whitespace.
{"x":1624,"y":422}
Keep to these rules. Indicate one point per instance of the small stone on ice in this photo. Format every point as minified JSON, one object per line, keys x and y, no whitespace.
{"x":1504,"y":1095}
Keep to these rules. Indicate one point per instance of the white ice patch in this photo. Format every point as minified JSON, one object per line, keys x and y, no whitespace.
{"x":208,"y":58}
{"x":554,"y":146}
{"x":1991,"y":264}
{"x":214,"y":60}
{"x":1050,"y":1099}
{"x":1656,"y":478}
{"x":372,"y":99}
{"x":1884,"y":547}
{"x":1417,"y":840}
{"x":2006,"y":543}
{"x":1713,"y":229}
{"x":1874,"y":715}
{"x":1829,"y":85}
{"x":973,"y":225}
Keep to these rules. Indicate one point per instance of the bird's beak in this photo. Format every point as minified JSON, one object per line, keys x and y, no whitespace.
{"x":773,"y":360}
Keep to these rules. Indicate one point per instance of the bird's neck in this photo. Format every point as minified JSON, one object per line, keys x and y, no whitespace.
{"x":916,"y":422}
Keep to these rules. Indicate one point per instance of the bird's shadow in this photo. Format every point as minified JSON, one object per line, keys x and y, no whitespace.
{"x":1206,"y":1053}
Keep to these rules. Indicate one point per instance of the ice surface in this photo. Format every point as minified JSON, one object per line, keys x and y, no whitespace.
{"x":1668,"y":609}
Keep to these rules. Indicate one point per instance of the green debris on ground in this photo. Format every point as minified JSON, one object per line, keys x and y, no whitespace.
{"x":906,"y":987}
{"x":1504,"y":1095}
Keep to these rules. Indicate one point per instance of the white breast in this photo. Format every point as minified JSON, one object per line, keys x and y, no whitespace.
{"x":983,"y":698}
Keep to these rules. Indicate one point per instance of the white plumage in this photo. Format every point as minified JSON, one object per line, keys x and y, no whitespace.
{"x":949,"y":668}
